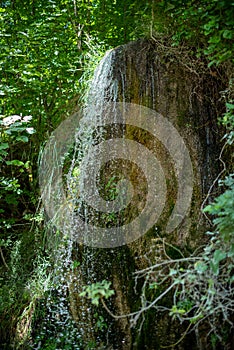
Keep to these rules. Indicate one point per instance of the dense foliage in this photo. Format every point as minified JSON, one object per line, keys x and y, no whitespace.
{"x":48,"y":50}
{"x":206,"y":25}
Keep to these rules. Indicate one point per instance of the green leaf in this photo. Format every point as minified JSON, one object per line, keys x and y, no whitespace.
{"x":15,"y":162}
{"x":22,"y":138}
{"x":196,"y":318}
{"x":153,"y":285}
{"x":231,"y":251}
{"x":214,"y":267}
{"x":215,"y":39}
{"x":169,"y":7}
{"x":227,"y":34}
{"x":230,"y":106}
{"x":200,"y":267}
{"x":172,"y":272}
{"x":219,"y":255}
{"x":4,"y":145}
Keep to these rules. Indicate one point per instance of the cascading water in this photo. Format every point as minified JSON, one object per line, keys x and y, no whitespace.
{"x":76,"y":266}
{"x":115,"y":177}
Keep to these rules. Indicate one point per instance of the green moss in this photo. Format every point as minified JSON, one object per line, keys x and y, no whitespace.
{"x":181,"y":120}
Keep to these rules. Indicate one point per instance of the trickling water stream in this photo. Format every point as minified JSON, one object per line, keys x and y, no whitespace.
{"x":110,"y":186}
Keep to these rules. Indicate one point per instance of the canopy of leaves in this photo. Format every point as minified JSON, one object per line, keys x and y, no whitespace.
{"x":206,"y":25}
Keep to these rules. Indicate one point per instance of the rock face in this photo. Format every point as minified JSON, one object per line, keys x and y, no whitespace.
{"x":144,"y":73}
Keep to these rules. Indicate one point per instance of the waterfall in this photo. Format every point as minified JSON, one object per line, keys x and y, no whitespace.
{"x":115,"y":177}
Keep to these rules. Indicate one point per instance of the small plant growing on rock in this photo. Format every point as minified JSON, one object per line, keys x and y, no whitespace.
{"x":97,"y":291}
